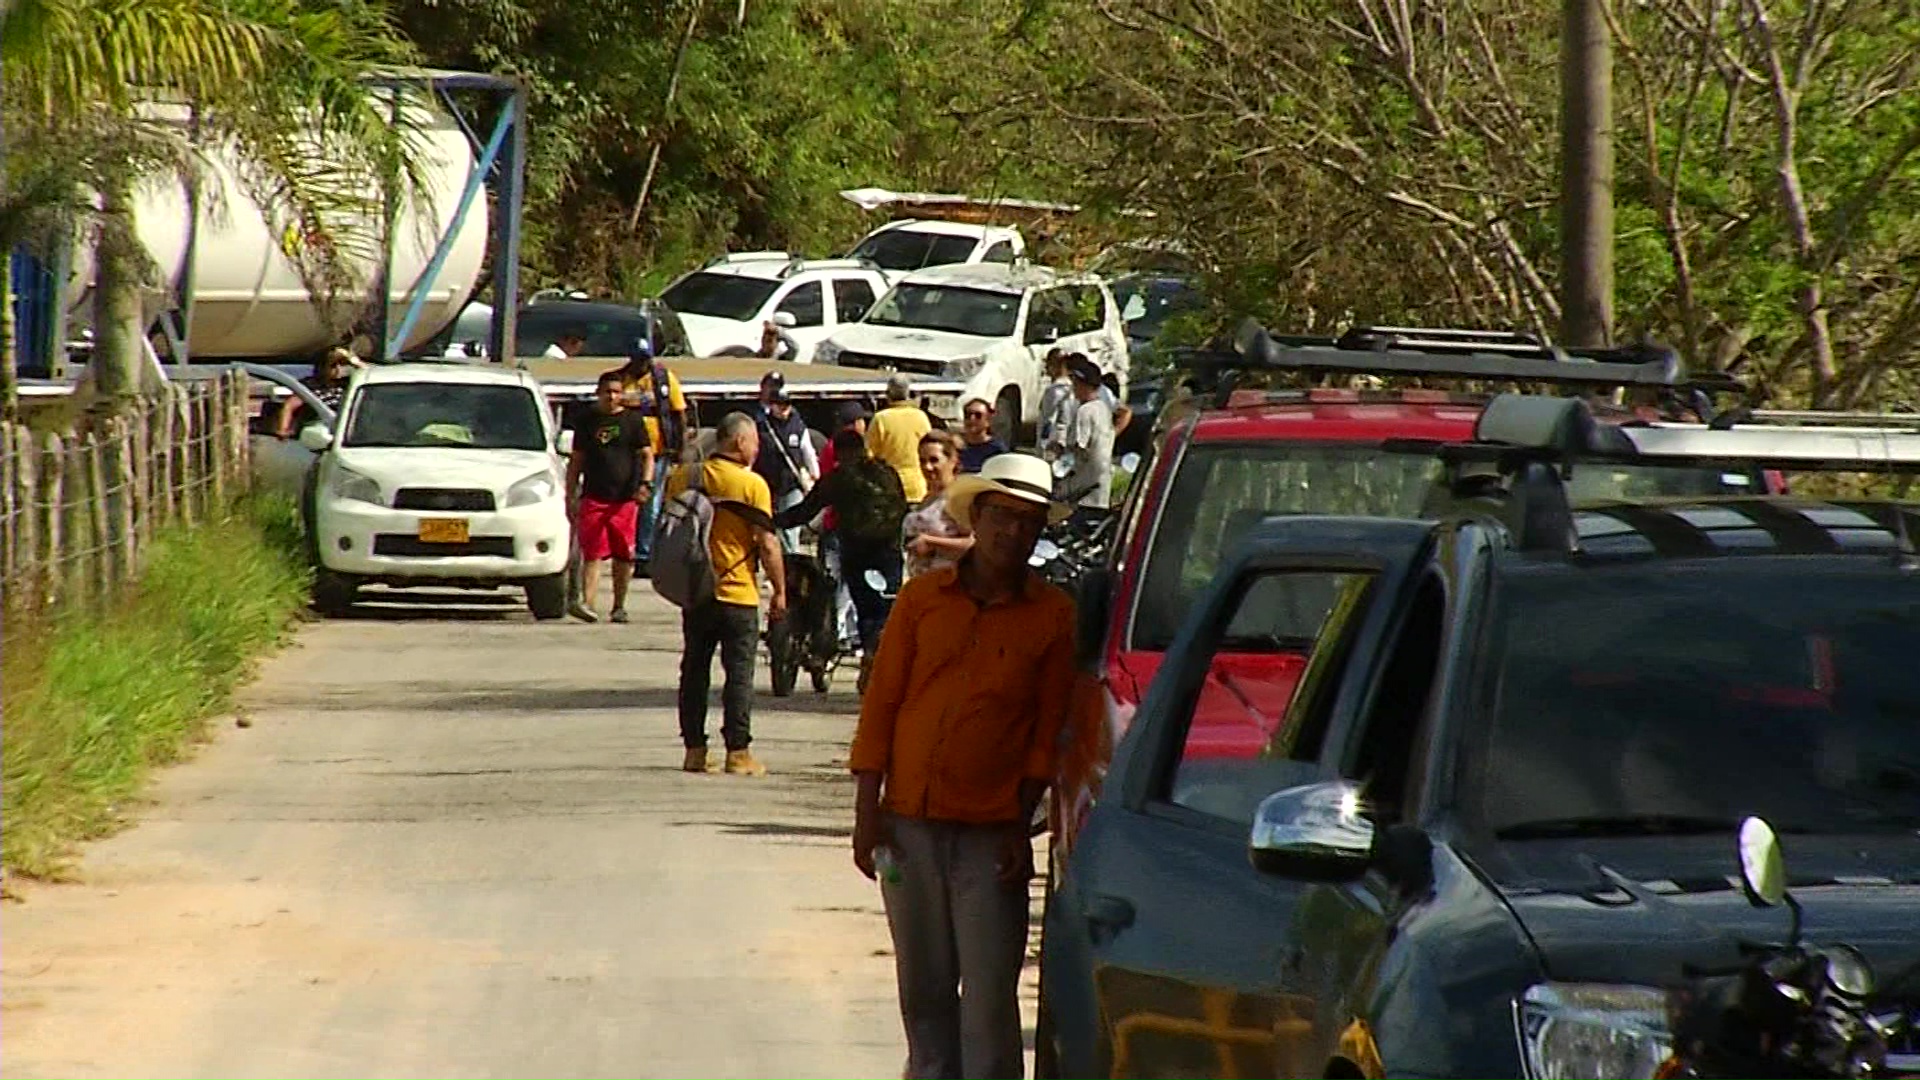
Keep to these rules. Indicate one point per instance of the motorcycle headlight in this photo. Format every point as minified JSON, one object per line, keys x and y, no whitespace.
{"x":537,"y":488}
{"x":966,"y":367}
{"x":348,"y":484}
{"x":1576,"y":1031}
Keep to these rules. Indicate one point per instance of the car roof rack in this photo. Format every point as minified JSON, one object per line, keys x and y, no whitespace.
{"x":797,"y":264}
{"x":729,"y":258}
{"x":1538,"y":441}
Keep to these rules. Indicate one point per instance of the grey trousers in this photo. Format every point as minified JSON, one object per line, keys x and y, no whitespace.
{"x":959,"y":940}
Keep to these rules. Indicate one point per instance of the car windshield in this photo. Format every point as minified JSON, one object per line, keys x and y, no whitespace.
{"x":1224,"y":489}
{"x":719,"y":296}
{"x":446,"y":414}
{"x":979,"y":312}
{"x":1645,"y":698}
{"x":908,"y":249}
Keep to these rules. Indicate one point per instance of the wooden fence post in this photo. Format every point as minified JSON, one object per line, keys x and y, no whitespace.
{"x":9,"y":538}
{"x":24,"y":450}
{"x":73,"y":519}
{"x":140,"y":462}
{"x":99,"y":545}
{"x":166,"y":472}
{"x":238,"y":433}
{"x":210,"y":442}
{"x":120,"y":499}
{"x":188,"y":476}
{"x":52,"y":512}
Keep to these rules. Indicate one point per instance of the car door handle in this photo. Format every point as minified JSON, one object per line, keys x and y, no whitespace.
{"x":1110,"y":912}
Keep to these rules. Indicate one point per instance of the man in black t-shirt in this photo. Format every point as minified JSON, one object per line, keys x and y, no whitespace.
{"x":608,"y":473}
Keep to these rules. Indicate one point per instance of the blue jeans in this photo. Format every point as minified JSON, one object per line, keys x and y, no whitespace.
{"x":650,"y":510}
{"x":872,"y":605}
{"x":789,"y":538}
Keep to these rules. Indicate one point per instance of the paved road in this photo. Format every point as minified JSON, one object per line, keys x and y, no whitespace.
{"x":456,"y":843}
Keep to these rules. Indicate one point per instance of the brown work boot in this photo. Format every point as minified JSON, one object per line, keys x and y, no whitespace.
{"x":742,"y":763}
{"x":696,"y":760}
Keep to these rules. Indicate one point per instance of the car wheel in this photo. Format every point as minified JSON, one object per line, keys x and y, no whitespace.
{"x":547,"y":596}
{"x":782,"y":662}
{"x":1007,"y":423}
{"x":334,"y":593}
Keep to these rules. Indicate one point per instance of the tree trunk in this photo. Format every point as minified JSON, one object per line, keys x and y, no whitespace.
{"x":119,"y":272}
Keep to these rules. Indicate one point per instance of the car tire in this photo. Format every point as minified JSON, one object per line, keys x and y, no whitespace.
{"x":334,"y":593}
{"x":547,"y":596}
{"x":1007,"y":422}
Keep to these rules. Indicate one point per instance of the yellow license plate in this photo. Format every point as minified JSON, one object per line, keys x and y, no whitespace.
{"x":443,"y":530}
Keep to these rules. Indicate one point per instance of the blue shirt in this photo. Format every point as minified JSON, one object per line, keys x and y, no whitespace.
{"x":972,"y":457}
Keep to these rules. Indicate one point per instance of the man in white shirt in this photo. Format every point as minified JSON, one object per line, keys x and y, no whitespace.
{"x":1090,"y":437}
{"x":1056,"y":405}
{"x":566,"y":346}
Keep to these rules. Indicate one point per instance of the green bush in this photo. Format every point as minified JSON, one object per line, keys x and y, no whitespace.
{"x":95,"y":697}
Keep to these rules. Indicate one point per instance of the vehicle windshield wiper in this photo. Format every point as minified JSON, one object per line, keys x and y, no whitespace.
{"x":1617,"y":825}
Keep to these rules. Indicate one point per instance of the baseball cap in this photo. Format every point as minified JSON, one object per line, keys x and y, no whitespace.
{"x":850,"y":411}
{"x":778,"y":393}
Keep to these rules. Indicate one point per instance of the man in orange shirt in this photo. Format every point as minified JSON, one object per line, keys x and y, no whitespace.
{"x":959,"y":731}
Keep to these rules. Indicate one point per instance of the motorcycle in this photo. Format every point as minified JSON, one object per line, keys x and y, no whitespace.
{"x":1793,"y":1010}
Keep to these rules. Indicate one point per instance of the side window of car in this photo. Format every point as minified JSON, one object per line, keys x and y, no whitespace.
{"x":807,"y":303}
{"x":1001,"y":252}
{"x":1089,"y":310}
{"x":1048,"y":316}
{"x":672,"y":335}
{"x":1390,"y":731}
{"x":852,"y":297}
{"x":1255,"y":724}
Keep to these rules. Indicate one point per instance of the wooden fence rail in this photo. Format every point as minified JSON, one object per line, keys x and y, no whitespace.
{"x":78,"y":512}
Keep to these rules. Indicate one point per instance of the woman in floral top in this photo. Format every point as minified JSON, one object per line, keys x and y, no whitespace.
{"x":932,"y":537}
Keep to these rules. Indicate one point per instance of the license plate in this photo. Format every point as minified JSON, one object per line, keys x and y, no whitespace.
{"x":443,"y":530}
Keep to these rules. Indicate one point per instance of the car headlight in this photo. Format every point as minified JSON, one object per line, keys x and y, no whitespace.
{"x":1592,"y":1030}
{"x":348,"y":484}
{"x":537,"y":488}
{"x":826,"y":353}
{"x":966,"y":367}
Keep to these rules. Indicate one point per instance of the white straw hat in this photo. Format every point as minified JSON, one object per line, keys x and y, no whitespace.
{"x":1021,"y":476}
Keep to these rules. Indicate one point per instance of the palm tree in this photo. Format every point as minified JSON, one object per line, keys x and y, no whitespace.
{"x":281,"y":84}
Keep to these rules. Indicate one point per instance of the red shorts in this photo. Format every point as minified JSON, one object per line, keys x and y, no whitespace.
{"x":607,"y":530}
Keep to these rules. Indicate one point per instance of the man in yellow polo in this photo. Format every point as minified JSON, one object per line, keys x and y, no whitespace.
{"x":742,"y":537}
{"x":894,"y":433}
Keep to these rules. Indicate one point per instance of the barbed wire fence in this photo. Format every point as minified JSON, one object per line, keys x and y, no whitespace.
{"x":78,"y":511}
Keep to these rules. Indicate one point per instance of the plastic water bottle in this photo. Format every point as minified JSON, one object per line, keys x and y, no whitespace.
{"x":887,"y":865}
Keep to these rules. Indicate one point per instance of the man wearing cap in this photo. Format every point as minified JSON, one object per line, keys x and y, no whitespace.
{"x":958,"y":736}
{"x":786,"y":461}
{"x":1089,"y":439}
{"x":894,"y":436}
{"x":650,"y":389}
{"x":851,"y":416}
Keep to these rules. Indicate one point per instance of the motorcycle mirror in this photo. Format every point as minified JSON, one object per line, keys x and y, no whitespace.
{"x":1763,"y":871}
{"x":1130,"y":462}
{"x":1044,"y":550}
{"x":1061,"y":467}
{"x":876,"y":581}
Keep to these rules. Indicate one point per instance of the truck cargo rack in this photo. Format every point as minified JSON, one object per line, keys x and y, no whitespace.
{"x":1452,"y":354}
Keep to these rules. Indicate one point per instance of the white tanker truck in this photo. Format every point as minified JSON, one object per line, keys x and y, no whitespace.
{"x":247,"y":300}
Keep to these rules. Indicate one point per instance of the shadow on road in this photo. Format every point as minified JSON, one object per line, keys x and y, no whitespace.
{"x":773,"y":829}
{"x":466,"y":698}
{"x":451,"y":605}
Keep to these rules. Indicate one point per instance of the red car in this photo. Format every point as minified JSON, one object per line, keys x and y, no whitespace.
{"x":1250,"y":454}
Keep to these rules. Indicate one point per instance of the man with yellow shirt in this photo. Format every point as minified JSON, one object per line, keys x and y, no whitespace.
{"x":742,"y":536}
{"x":893,"y":436}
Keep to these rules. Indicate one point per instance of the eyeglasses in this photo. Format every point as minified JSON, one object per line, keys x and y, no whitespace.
{"x":976,"y":414}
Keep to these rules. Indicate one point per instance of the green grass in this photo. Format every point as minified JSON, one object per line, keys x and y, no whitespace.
{"x":95,"y":698}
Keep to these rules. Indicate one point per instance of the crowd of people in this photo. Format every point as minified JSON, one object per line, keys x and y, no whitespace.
{"x":965,"y":652}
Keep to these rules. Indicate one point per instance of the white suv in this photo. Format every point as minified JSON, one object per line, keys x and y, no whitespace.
{"x":901,"y":247}
{"x":438,"y":474}
{"x":991,"y":326}
{"x":724,"y":304}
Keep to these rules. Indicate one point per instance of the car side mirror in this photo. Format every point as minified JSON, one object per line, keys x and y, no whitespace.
{"x":1092,"y":606}
{"x":316,"y":438}
{"x":1043,"y":335}
{"x":563,"y":442}
{"x":1314,"y":833}
{"x":785,"y":319}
